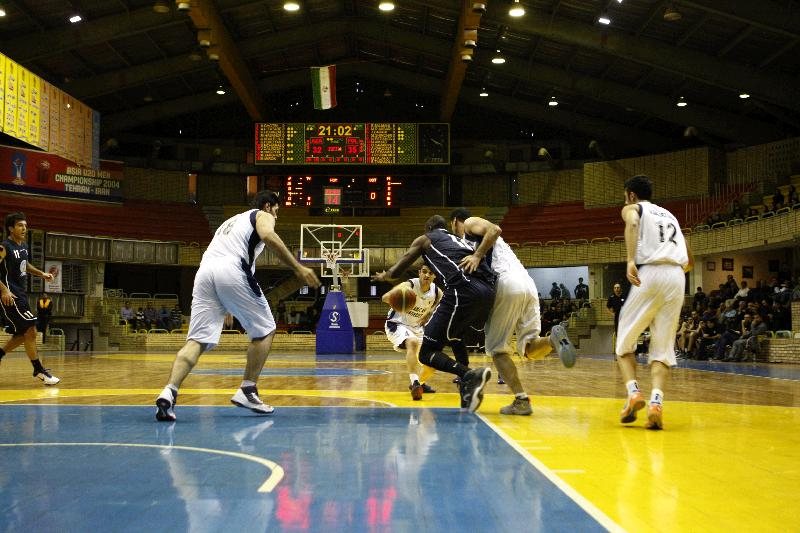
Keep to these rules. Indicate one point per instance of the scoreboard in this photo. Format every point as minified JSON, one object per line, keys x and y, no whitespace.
{"x":362,"y":143}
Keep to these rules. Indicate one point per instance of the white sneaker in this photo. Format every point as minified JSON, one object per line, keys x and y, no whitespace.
{"x":562,"y":345}
{"x":165,"y":405}
{"x":47,"y":377}
{"x":247,"y":397}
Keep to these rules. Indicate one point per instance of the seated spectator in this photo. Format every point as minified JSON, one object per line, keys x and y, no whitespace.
{"x":748,"y":340}
{"x":782,"y":294}
{"x":792,"y":197}
{"x":150,"y":316}
{"x":127,"y":315}
{"x":565,"y":295}
{"x":175,"y":318}
{"x":163,"y":318}
{"x":737,"y":211}
{"x":732,"y":286}
{"x":743,"y":292}
{"x":139,"y":321}
{"x":714,"y":218}
{"x":709,"y":334}
{"x":699,"y":298}
{"x":777,"y":199}
{"x":689,"y":325}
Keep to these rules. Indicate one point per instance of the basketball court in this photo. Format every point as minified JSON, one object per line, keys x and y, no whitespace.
{"x":347,"y":448}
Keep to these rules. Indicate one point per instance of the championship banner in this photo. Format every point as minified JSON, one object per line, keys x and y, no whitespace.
{"x":37,"y":172}
{"x":54,"y":268}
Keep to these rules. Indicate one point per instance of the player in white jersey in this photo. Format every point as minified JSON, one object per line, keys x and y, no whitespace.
{"x":405,"y":330}
{"x":516,"y":307}
{"x":657,"y":258}
{"x":225,"y":283}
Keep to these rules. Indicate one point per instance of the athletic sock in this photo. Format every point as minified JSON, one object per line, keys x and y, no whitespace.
{"x":173,"y":388}
{"x":521,"y":395}
{"x":657,"y":397}
{"x":247,"y":383}
{"x":632,"y":386}
{"x":37,"y":366}
{"x":440,"y":361}
{"x":413,"y":378}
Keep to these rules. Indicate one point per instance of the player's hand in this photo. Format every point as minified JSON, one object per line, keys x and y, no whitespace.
{"x":47,"y":276}
{"x":633,"y":274}
{"x":7,"y":297}
{"x":470,"y":263}
{"x":308,"y":276}
{"x":382,"y":276}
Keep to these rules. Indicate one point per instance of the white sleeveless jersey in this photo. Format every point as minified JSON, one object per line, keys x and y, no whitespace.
{"x":424,"y":303}
{"x":660,"y":237}
{"x":505,"y":261}
{"x":236,"y":241}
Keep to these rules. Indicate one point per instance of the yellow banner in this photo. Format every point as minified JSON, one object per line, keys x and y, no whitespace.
{"x":10,"y":111}
{"x":44,"y":116}
{"x":23,"y":94}
{"x":2,"y":92}
{"x":34,"y":106}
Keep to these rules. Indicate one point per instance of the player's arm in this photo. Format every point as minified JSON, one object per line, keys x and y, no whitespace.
{"x":38,"y":273}
{"x":630,"y":214}
{"x":413,"y":253}
{"x":387,"y":296}
{"x":490,"y":233}
{"x":265,"y":226}
{"x":609,"y":308}
{"x":690,"y":265}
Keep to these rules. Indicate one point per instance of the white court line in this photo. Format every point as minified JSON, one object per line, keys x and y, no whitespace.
{"x":276,"y":471}
{"x":571,"y":493}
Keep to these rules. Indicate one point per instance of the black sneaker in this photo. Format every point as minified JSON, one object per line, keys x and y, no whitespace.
{"x":427,"y":389}
{"x":500,"y":380}
{"x":165,"y":405}
{"x":472,"y":388}
{"x":416,"y":391}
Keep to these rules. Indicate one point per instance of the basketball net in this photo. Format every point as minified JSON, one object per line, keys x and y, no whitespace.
{"x":331,"y":257}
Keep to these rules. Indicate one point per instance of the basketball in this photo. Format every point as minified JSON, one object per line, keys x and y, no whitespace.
{"x":404,"y":299}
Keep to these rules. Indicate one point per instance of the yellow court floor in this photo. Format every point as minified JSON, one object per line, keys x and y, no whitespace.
{"x":727,"y":460}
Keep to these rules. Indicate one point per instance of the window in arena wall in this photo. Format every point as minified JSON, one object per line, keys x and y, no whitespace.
{"x":74,"y":278}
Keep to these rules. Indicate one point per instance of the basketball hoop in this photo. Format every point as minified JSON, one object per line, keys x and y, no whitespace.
{"x":331,"y":257}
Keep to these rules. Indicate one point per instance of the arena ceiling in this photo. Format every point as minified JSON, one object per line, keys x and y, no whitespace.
{"x":146,"y":73}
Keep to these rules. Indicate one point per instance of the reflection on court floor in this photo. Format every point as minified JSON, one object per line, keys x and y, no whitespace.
{"x":82,"y":468}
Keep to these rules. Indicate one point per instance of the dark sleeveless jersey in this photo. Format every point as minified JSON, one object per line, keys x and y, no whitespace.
{"x":14,"y":268}
{"x":444,"y":254}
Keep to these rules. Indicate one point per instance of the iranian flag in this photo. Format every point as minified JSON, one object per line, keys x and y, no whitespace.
{"x":323,"y":82}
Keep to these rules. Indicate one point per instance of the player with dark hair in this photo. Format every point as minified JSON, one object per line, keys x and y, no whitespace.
{"x":14,"y":270}
{"x":516,"y":307}
{"x":466,"y":301}
{"x":225,"y":283}
{"x":405,"y":329}
{"x":657,"y":258}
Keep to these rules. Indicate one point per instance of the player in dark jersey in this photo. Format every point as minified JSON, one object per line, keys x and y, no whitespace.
{"x":466,"y":302}
{"x":14,"y":270}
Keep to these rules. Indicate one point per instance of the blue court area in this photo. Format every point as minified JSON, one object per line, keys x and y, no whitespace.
{"x":318,"y":372}
{"x":89,"y":468}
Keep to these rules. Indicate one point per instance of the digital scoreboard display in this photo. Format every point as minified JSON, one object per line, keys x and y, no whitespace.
{"x":363,"y":143}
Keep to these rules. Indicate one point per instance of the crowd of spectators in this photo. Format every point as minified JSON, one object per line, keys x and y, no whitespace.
{"x":739,"y":211}
{"x":725,"y":323}
{"x":149,"y":318}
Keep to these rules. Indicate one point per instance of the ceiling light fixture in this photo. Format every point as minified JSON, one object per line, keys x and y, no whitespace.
{"x":744,"y":96}
{"x":681,"y":102}
{"x":516,"y":9}
{"x":498,"y":58}
{"x":604,"y":19}
{"x":483,"y":93}
{"x":553,"y":102}
{"x":2,"y":11}
{"x":161,"y":7}
{"x":220,"y":89}
{"x":75,"y":19}
{"x":291,"y":6}
{"x":671,"y":14}
{"x":386,"y":6}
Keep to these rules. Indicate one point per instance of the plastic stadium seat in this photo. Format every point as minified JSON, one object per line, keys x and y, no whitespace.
{"x":717,"y":225}
{"x":783,"y":334}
